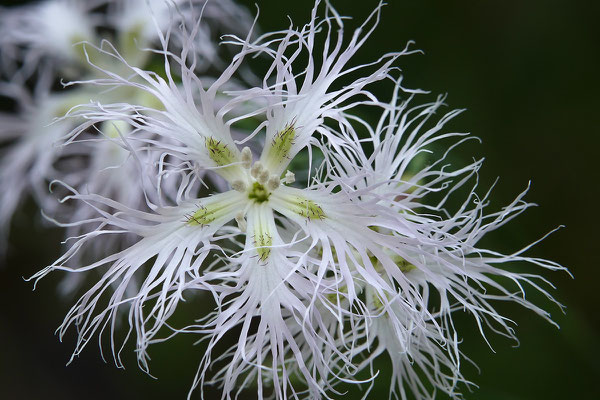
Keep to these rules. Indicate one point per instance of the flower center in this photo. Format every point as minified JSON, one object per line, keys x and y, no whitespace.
{"x":258,"y":181}
{"x":258,"y":193}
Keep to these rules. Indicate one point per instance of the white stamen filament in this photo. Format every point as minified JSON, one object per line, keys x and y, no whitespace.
{"x":240,"y":219}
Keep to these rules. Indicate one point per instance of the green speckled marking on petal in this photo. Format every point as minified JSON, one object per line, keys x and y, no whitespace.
{"x":205,"y":214}
{"x":404,"y":265}
{"x":262,"y":235}
{"x":262,"y":242}
{"x":283,"y":142}
{"x":307,"y":208}
{"x":219,"y":152}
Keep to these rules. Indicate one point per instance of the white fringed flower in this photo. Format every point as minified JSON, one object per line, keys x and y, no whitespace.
{"x":192,"y":130}
{"x":49,"y":29}
{"x":137,"y":23}
{"x":313,"y":281}
{"x":434,"y":251}
{"x":29,"y":157}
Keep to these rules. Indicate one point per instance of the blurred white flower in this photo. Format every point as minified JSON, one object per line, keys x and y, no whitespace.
{"x":46,"y":34}
{"x":29,"y":157}
{"x":50,"y":38}
{"x":138,"y":21}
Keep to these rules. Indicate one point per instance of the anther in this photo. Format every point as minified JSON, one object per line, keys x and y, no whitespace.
{"x":238,"y":185}
{"x":263,"y":177}
{"x":256,"y":169}
{"x":273,"y":182}
{"x":289,"y":177}
{"x":246,"y":157}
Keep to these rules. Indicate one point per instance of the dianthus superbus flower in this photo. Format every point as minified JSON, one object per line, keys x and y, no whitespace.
{"x":315,"y":278}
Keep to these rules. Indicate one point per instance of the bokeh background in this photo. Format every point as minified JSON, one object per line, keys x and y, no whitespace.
{"x":527,"y":73}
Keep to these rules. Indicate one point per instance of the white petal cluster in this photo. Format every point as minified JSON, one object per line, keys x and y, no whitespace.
{"x":321,"y":240}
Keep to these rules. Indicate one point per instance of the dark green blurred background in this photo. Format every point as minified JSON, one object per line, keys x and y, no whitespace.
{"x":527,"y":73}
